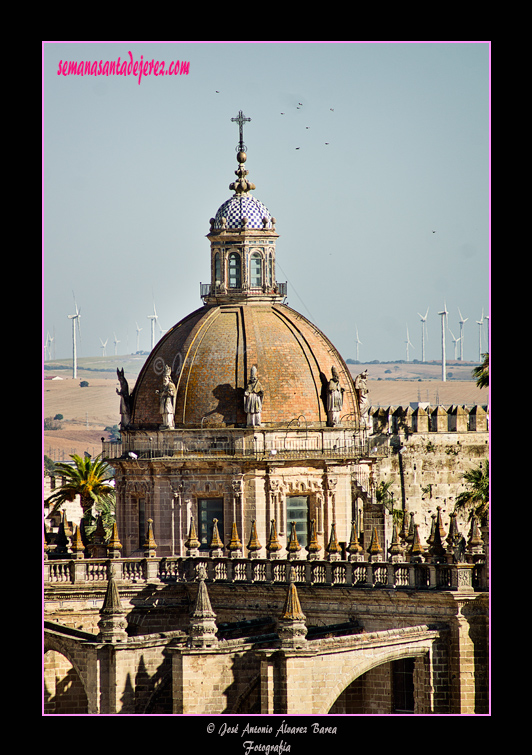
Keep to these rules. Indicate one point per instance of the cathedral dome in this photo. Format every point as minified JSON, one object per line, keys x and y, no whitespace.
{"x":238,"y":207}
{"x":211,"y":352}
{"x":198,"y":373}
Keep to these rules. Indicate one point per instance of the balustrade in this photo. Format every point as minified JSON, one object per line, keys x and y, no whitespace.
{"x":356,"y":574}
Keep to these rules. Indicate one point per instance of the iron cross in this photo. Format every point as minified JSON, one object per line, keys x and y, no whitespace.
{"x":241,"y":119}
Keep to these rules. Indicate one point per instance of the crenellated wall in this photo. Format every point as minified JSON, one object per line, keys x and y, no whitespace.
{"x":430,"y":449}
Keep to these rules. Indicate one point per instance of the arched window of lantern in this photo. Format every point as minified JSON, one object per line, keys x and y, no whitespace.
{"x":255,"y":270}
{"x":235,"y":271}
{"x":270,"y":270}
{"x":217,"y":269}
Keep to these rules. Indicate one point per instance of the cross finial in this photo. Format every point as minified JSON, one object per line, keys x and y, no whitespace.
{"x":241,"y":119}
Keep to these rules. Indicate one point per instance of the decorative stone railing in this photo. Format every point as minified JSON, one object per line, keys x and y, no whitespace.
{"x":463,"y":577}
{"x":276,"y":444}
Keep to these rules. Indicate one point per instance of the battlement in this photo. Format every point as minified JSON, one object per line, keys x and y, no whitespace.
{"x":423,"y":418}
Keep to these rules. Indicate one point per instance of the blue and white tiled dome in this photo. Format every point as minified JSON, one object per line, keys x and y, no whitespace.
{"x":238,"y":207}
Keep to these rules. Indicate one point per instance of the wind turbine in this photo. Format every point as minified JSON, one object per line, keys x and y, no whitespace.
{"x":358,"y":341}
{"x":480,"y":323}
{"x":103,"y":347}
{"x":153,"y":319}
{"x":462,"y":321}
{"x":407,"y":344}
{"x":47,"y":345}
{"x":455,"y":341}
{"x":116,"y":342}
{"x":75,"y":319}
{"x":443,"y":323}
{"x":138,"y":331}
{"x":423,"y":330}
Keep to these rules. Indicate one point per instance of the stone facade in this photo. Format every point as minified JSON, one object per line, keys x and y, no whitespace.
{"x":254,"y":568}
{"x":253,"y":667}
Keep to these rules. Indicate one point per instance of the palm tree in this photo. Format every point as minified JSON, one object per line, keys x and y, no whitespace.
{"x":89,"y":478}
{"x":383,"y":495}
{"x":482,"y":372}
{"x":477,"y":497}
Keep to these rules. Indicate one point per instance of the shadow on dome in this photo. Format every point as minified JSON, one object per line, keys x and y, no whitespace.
{"x":230,"y":407}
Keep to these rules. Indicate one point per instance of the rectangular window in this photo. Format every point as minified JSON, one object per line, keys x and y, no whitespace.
{"x":234,"y":271}
{"x":297,"y":510}
{"x":403,"y":685}
{"x":141,"y":505}
{"x":255,"y":270}
{"x":208,"y":510}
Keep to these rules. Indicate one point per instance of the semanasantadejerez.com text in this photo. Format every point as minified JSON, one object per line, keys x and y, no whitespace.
{"x":123,"y":68}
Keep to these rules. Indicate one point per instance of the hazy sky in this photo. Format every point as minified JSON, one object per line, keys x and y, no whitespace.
{"x":133,"y":172}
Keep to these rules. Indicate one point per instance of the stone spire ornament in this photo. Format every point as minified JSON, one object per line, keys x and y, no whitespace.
{"x":416,"y":549}
{"x":216,"y":546}
{"x":355,"y":550}
{"x":235,"y":544}
{"x":404,"y":529}
{"x":411,"y":530}
{"x":78,"y":549}
{"x":150,"y":546}
{"x":291,"y":626}
{"x":375,"y":550}
{"x":202,"y":627}
{"x":475,"y":544}
{"x":436,"y":551}
{"x":273,"y":546}
{"x":254,"y":545}
{"x":293,"y":546}
{"x":455,"y":541}
{"x":114,"y":546}
{"x":98,"y":548}
{"x":313,"y":546}
{"x":61,"y":541}
{"x":333,"y":549}
{"x":396,"y":550}
{"x":192,"y":543}
{"x":112,"y":623}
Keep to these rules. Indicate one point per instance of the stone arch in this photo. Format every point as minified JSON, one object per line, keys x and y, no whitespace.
{"x":366,"y":662}
{"x":64,"y":686}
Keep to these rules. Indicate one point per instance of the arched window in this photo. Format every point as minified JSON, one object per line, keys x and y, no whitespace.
{"x":235,"y":273}
{"x":270,"y":270}
{"x":217,"y":268}
{"x":255,"y":269}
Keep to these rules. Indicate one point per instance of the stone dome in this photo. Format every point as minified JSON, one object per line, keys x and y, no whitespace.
{"x":211,"y":353}
{"x":235,"y":209}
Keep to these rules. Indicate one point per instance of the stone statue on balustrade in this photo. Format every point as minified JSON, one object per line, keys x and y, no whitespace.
{"x":125,"y":399}
{"x":253,"y":397}
{"x":361,"y":387}
{"x":335,"y":399}
{"x":167,"y":398}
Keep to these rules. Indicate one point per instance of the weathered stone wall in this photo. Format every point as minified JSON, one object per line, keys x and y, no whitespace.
{"x":426,"y":471}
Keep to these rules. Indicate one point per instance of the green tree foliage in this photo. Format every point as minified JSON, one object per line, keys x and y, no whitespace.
{"x":87,"y":477}
{"x":477,"y":496}
{"x":482,"y":372}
